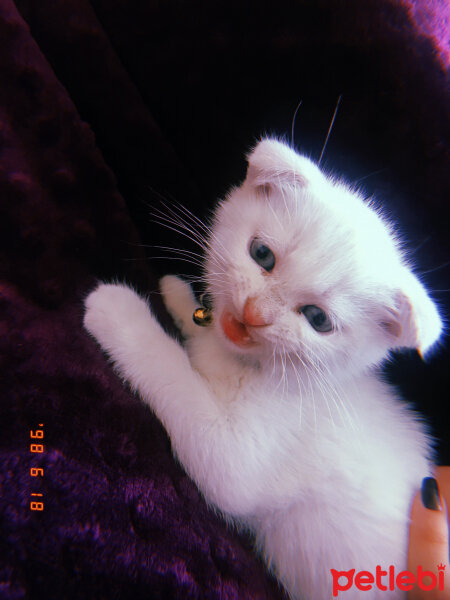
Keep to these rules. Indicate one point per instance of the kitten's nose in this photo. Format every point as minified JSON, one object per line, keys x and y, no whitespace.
{"x":253,"y":315}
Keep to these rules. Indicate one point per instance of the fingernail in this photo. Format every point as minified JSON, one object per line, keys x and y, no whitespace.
{"x":430,"y":494}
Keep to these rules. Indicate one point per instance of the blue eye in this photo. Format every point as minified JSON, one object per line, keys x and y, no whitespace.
{"x":317,"y":318}
{"x":262,"y":255}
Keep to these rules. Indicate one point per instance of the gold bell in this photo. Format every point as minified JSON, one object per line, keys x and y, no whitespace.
{"x":202,"y":316}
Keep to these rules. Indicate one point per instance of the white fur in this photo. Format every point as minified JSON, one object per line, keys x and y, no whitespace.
{"x":294,"y":437}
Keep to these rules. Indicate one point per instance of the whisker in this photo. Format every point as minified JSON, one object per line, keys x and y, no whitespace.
{"x":194,"y":223}
{"x":335,"y":396}
{"x":299,"y":391}
{"x":178,"y":222}
{"x":436,"y":268}
{"x":422,"y":243}
{"x":356,"y":181}
{"x":183,"y":233}
{"x":293,"y":122}
{"x":180,"y":258}
{"x":329,"y":130}
{"x":172,"y":249}
{"x":193,"y":217}
{"x":179,"y":218}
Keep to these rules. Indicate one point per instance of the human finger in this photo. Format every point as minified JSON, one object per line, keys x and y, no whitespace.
{"x":428,"y":544}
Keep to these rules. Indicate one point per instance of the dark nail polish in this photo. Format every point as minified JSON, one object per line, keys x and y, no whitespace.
{"x":430,"y":494}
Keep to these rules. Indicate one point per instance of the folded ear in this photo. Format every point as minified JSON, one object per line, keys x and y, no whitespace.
{"x":274,"y":163}
{"x":412,"y":320}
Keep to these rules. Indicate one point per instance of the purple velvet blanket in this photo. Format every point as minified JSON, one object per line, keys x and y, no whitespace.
{"x":107,"y":106}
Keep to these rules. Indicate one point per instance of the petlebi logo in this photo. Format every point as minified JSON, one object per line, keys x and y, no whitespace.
{"x":388,"y":580}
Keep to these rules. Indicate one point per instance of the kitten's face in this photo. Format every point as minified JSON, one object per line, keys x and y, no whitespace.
{"x":302,"y":271}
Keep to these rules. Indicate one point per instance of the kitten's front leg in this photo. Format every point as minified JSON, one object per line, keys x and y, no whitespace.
{"x":159,"y":369}
{"x":143,"y":354}
{"x":201,"y":428}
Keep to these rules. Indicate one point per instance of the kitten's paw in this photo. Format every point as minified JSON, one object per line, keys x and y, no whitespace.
{"x":108,"y":310}
{"x":179,"y":301}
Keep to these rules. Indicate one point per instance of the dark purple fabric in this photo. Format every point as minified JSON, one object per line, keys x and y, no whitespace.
{"x":105,"y":106}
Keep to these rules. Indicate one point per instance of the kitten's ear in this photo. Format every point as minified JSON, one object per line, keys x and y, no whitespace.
{"x":412,"y":320}
{"x":273,"y":163}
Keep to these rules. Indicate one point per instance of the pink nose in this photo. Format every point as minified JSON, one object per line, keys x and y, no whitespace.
{"x":253,"y":315}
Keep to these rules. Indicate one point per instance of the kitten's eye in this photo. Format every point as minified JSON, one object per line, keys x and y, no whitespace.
{"x":262,"y":255}
{"x":317,"y":318}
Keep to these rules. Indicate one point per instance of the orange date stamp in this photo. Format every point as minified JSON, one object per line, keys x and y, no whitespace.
{"x":36,"y":472}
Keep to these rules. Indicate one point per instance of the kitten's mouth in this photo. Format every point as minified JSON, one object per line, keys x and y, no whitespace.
{"x":235,"y":331}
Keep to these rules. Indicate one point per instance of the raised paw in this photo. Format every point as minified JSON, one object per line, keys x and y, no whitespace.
{"x":179,"y":301}
{"x":110,"y":310}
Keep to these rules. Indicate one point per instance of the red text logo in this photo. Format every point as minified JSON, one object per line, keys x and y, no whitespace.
{"x":387,"y":580}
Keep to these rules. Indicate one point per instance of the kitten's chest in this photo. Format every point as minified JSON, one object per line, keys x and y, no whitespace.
{"x":263,"y":408}
{"x":229,"y":380}
{"x":314,"y":431}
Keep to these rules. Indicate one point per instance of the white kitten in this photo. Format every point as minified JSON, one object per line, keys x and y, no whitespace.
{"x":275,"y":410}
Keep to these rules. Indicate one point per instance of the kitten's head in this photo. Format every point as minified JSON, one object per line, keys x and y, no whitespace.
{"x":302,"y":269}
